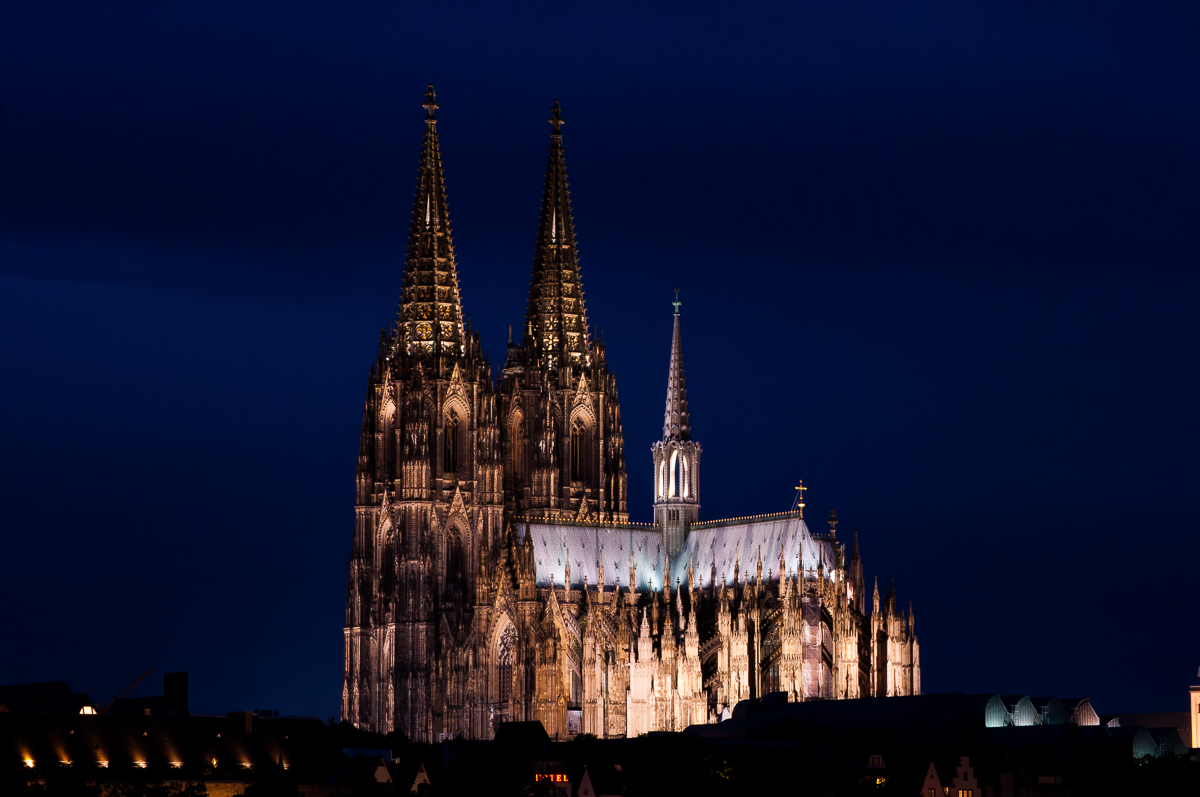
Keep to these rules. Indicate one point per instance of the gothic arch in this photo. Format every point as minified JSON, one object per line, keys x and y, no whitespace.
{"x":455,"y":431}
{"x":386,"y":426}
{"x":387,"y":413}
{"x":457,"y":405}
{"x":503,"y":659}
{"x":584,"y":411}
{"x":580,"y":432}
{"x":518,"y":456}
{"x":456,"y":554}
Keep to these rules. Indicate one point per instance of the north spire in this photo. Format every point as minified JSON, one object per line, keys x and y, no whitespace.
{"x":556,"y":318}
{"x":676,"y":424}
{"x":431,"y":315}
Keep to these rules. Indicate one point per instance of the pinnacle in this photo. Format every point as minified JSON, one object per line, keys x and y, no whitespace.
{"x":676,"y":423}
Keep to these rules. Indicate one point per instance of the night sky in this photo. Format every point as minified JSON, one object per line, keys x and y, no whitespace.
{"x":938,"y":260}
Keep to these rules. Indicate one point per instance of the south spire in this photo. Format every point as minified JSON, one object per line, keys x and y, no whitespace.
{"x":431,"y":314}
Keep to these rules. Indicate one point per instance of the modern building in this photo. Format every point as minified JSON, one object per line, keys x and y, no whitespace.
{"x":494,"y":572}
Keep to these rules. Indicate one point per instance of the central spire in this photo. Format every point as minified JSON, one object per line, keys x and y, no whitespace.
{"x":555,"y":318}
{"x":676,"y":425}
{"x":431,"y":315}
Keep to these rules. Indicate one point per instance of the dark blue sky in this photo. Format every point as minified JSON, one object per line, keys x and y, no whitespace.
{"x":936,"y":259}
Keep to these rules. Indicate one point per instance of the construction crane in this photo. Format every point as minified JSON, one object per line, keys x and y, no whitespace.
{"x":126,"y":691}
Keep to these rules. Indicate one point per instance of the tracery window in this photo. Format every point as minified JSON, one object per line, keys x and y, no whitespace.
{"x":504,"y":665}
{"x":450,"y":461}
{"x":576,"y":690}
{"x":771,"y":679}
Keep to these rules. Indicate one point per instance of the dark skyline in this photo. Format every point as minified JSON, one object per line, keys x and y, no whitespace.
{"x":947,"y":256}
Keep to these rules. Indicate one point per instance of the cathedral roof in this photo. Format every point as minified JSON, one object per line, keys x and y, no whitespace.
{"x":724,"y":542}
{"x":556,"y":320}
{"x":621,"y":546}
{"x":431,"y":315}
{"x":676,"y":425}
{"x":739,"y":542}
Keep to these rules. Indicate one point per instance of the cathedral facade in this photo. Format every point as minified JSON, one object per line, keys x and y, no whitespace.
{"x":495,"y":574}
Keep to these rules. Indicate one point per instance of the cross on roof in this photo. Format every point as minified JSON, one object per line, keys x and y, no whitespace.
{"x":556,"y":119}
{"x":430,"y":101}
{"x":676,"y":302}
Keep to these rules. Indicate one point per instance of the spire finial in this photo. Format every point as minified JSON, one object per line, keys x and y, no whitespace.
{"x":556,"y":120}
{"x":676,"y":421}
{"x":799,"y":505}
{"x":430,"y":103}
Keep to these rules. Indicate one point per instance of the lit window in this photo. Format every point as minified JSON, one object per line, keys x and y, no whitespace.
{"x":87,"y":710}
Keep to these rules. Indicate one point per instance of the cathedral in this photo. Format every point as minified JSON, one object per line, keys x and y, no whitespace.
{"x":495,"y":574}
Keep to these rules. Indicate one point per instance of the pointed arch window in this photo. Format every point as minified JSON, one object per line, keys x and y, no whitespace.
{"x":671,"y":469}
{"x":578,"y":451}
{"x":518,"y":446}
{"x":456,"y":570}
{"x":504,"y":665}
{"x":450,"y":461}
{"x":576,"y":691}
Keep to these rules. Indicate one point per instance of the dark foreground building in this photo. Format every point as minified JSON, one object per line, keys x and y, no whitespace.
{"x":900,"y":745}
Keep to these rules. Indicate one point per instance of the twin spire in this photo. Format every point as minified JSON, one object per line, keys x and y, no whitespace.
{"x":556,"y":321}
{"x":431,"y":314}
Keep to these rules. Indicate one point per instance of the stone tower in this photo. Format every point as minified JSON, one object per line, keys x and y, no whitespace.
{"x":676,"y":458}
{"x":564,"y":451}
{"x":429,"y":486}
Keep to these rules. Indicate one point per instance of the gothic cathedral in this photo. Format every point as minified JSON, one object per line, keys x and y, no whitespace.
{"x":494,"y":573}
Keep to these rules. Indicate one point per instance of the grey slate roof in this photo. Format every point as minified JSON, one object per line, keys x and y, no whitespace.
{"x":722,"y":542}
